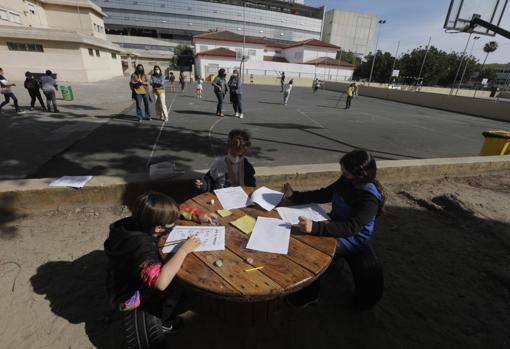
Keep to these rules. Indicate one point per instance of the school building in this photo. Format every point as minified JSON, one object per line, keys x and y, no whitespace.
{"x":306,"y":59}
{"x":67,"y":37}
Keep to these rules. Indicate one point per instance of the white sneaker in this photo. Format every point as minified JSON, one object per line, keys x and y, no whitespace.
{"x":241,"y":116}
{"x":237,"y":114}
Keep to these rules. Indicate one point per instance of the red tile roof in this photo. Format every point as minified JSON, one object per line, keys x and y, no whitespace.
{"x":230,"y":36}
{"x":314,"y":42}
{"x":330,"y":61}
{"x":275,"y":59}
{"x":218,"y":52}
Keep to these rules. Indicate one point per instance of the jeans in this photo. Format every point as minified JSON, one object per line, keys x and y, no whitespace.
{"x":139,"y":99}
{"x":219,"y":106}
{"x":348,"y":102}
{"x":33,"y":95}
{"x":8,"y":97}
{"x":51,"y":97}
{"x":237,"y":102}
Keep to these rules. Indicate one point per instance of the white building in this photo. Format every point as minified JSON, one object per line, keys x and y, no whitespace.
{"x":352,"y":31}
{"x":305,"y":59}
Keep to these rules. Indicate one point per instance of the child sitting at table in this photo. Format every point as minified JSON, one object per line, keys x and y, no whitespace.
{"x":357,"y":198}
{"x":139,"y":275}
{"x":230,"y":170}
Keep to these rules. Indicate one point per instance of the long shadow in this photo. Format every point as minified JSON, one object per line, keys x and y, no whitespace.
{"x":81,"y":107}
{"x":8,"y":217}
{"x":194,"y":112}
{"x":286,"y":126}
{"x":265,"y":102}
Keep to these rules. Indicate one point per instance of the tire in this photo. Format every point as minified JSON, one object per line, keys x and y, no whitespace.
{"x":368,"y":278}
{"x":142,"y":330}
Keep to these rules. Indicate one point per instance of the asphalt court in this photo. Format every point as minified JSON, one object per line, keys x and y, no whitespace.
{"x":311,"y":129}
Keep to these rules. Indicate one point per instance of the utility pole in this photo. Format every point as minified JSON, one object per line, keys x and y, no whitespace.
{"x":381,"y":21}
{"x":394,"y":61}
{"x":424,"y":58}
{"x":460,"y":64}
{"x":465,"y":65}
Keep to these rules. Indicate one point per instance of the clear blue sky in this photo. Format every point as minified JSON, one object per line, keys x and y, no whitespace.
{"x":413,"y":21}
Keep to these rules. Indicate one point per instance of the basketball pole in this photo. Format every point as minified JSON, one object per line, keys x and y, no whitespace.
{"x":460,"y":64}
{"x":424,"y":57}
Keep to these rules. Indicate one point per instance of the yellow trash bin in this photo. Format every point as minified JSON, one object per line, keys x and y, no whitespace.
{"x":496,"y":143}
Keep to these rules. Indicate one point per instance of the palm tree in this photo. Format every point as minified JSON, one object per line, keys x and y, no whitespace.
{"x":489,"y":47}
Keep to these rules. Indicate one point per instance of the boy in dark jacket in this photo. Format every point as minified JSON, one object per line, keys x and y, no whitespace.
{"x":33,"y":87}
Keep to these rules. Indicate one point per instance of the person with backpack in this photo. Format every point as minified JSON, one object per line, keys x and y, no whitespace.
{"x":5,"y":89}
{"x":33,"y":87}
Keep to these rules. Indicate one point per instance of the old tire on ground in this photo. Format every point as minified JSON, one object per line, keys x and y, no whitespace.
{"x":368,"y":277}
{"x":142,"y":330}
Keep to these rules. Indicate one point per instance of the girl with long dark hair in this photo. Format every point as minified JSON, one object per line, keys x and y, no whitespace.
{"x":139,"y":86}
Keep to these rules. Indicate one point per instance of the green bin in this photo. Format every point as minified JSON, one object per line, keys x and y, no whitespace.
{"x":67,"y":92}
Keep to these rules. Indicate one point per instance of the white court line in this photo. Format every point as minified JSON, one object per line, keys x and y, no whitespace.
{"x":312,"y":119}
{"x":210,"y":132}
{"x":169,"y":108}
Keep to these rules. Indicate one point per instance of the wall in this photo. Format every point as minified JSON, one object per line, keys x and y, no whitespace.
{"x":465,"y":105}
{"x":22,"y":8}
{"x":440,"y":90}
{"x":102,"y":67}
{"x":316,"y":52}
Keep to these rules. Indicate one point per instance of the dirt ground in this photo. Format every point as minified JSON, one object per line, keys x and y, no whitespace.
{"x":444,"y":245}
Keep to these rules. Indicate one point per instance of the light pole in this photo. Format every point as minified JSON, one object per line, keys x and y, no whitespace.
{"x":424,"y":58}
{"x":381,"y":21}
{"x":467,"y":62}
{"x":460,"y":64}
{"x":394,"y":61}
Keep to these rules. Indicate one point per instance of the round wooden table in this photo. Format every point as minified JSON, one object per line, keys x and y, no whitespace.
{"x":308,"y":257}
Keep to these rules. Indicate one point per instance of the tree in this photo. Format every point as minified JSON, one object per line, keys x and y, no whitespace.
{"x":183,"y":57}
{"x":382,"y":67}
{"x":349,"y":57}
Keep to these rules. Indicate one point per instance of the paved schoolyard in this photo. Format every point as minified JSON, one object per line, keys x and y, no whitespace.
{"x":310,"y":130}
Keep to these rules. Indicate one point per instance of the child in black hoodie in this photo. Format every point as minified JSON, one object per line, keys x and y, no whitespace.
{"x":33,"y":87}
{"x":139,"y":274}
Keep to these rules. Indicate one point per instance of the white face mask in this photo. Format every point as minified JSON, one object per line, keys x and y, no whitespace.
{"x":234,"y":159}
{"x":157,"y":71}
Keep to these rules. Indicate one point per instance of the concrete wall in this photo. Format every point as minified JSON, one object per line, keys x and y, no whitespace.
{"x":431,"y":89}
{"x":102,"y":67}
{"x":465,"y":105}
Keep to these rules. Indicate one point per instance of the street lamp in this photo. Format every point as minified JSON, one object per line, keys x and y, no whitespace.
{"x":381,"y":21}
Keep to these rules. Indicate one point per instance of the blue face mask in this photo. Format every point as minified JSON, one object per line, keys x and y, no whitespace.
{"x":234,"y":159}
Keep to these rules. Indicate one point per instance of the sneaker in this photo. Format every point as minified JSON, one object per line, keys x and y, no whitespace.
{"x":140,"y":121}
{"x":236,"y":115}
{"x":31,"y":108}
{"x":241,"y":116}
{"x":221,"y":114}
{"x":172,"y":326}
{"x":20,"y":112}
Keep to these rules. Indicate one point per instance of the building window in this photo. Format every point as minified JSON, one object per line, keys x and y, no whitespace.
{"x":114,"y":55}
{"x":32,"y":47}
{"x":298,"y":55}
{"x":203,"y":48}
{"x":278,"y":51}
{"x":252,"y":52}
{"x":15,"y":17}
{"x":3,"y":15}
{"x":91,"y":52}
{"x":97,"y":53}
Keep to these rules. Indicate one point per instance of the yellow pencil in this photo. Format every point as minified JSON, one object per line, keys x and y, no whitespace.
{"x":253,"y":269}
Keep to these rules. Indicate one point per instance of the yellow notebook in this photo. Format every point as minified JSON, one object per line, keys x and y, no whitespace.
{"x":224,"y":213}
{"x":244,"y":224}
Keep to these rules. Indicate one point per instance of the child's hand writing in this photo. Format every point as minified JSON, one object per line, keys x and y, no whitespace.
{"x":287,"y":190}
{"x":190,"y":245}
{"x":198,"y":183}
{"x":208,"y":218}
{"x":305,"y":224}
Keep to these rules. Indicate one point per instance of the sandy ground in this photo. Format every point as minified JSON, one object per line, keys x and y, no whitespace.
{"x":444,"y":244}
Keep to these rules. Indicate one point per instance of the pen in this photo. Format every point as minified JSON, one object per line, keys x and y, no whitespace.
{"x":253,"y":269}
{"x":174,"y":242}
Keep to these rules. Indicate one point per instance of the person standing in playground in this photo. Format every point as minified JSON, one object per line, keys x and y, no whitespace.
{"x":282,"y":80}
{"x":286,"y":91}
{"x":235,"y":86}
{"x":157,"y":83}
{"x":139,"y":85}
{"x":348,"y":93}
{"x":220,"y":89}
{"x":49,"y":87}
{"x":200,"y":88}
{"x":171,"y":78}
{"x":182,"y":80}
{"x":33,"y":87}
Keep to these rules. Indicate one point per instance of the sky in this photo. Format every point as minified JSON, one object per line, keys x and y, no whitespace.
{"x":414,"y":21}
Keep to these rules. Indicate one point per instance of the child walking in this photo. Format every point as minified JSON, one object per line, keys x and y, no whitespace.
{"x":173,"y":85}
{"x":286,"y":91}
{"x":33,"y":88}
{"x":230,"y":170}
{"x":140,"y":278}
{"x":6,"y":91}
{"x":200,"y":88}
{"x":157,"y":82}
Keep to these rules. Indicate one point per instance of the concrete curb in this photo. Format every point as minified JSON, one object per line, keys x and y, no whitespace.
{"x":28,"y":195}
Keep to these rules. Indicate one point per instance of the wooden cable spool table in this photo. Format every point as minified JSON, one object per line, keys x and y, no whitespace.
{"x":247,"y":297}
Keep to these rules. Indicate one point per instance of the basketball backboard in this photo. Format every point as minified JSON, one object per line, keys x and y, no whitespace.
{"x":460,"y":13}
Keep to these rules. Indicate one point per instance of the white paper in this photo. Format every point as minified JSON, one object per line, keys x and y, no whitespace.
{"x":233,"y":197}
{"x":266,"y":198}
{"x":71,"y":181}
{"x":312,"y":211}
{"x":212,"y":237}
{"x":270,"y":235}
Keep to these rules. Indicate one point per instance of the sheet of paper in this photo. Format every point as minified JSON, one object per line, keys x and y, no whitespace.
{"x":312,"y":211}
{"x":71,"y":181}
{"x":270,"y":235}
{"x":244,"y":224}
{"x":212,"y":237}
{"x":266,"y":198}
{"x":233,"y":197}
{"x":224,"y":213}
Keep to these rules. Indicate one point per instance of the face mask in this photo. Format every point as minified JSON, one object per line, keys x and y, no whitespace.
{"x":140,"y":70}
{"x":234,"y":159}
{"x":157,"y":71}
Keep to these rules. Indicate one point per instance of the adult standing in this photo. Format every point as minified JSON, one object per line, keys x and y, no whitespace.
{"x":220,"y":89}
{"x":49,"y":87}
{"x":348,"y":93}
{"x":5,"y":89}
{"x":182,"y":80}
{"x":139,"y":85}
{"x":282,"y":80}
{"x":235,"y":86}
{"x":158,"y":87}
{"x":33,"y":87}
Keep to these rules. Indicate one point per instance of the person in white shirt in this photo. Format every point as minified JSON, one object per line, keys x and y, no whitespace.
{"x":286,"y":91}
{"x":5,"y":89}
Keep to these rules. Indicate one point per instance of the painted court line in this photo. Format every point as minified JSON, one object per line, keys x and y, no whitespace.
{"x":160,"y":132}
